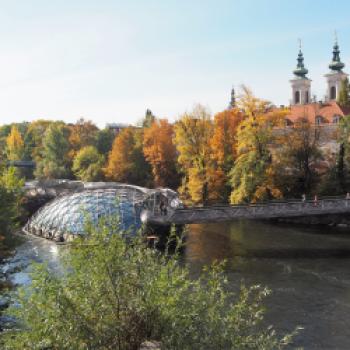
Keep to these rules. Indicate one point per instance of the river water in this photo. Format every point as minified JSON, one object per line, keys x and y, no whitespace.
{"x":307,"y":269}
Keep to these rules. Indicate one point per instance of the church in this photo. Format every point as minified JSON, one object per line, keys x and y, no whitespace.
{"x":319,"y":113}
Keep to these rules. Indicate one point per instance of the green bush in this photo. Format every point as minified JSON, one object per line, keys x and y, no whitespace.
{"x":116,"y":293}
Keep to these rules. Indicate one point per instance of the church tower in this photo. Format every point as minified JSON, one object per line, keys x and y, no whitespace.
{"x":336,"y":74}
{"x":233,"y":100}
{"x":301,"y":84}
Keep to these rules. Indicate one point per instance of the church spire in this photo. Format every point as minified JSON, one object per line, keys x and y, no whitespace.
{"x":336,"y":65}
{"x":233,"y":99}
{"x":300,"y":70}
{"x":301,"y":84}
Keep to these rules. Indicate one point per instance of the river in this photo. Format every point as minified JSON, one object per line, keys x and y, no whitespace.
{"x":307,"y":269}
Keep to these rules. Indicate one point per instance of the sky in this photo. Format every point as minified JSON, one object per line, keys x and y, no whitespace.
{"x":108,"y":61}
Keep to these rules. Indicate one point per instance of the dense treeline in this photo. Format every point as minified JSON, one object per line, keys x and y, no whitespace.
{"x":242,"y":154}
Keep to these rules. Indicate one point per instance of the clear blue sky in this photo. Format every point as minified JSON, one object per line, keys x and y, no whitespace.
{"x":110,"y":60}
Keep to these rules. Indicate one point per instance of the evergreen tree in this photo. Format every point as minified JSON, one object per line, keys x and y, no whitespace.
{"x":104,"y":141}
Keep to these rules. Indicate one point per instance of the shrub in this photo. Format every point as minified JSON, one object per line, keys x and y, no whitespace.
{"x":116,"y":293}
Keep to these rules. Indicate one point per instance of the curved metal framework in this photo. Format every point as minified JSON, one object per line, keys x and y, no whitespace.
{"x":67,"y":215}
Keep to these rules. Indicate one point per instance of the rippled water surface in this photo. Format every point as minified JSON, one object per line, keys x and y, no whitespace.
{"x":307,"y":268}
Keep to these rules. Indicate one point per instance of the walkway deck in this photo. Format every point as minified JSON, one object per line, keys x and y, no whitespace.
{"x":253,"y":211}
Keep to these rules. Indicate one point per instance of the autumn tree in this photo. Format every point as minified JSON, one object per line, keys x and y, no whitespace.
{"x":252,"y":175}
{"x":193,"y":133}
{"x":54,"y":162}
{"x":223,"y":151}
{"x":126,"y":162}
{"x":87,"y":164}
{"x":299,"y":156}
{"x":160,"y":152}
{"x":82,"y":133}
{"x":14,"y":145}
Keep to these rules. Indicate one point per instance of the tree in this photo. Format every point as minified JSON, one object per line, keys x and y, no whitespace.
{"x":148,"y":120}
{"x":11,"y":197}
{"x":115,"y":293}
{"x":83,"y":133}
{"x":223,"y":154}
{"x":35,"y":136}
{"x":104,"y":141}
{"x":14,"y":145}
{"x":250,"y":177}
{"x":337,"y":179}
{"x":160,"y":152}
{"x":299,"y":156}
{"x":87,"y":164}
{"x":193,"y":133}
{"x":126,"y":162}
{"x":54,"y":161}
{"x":344,"y":93}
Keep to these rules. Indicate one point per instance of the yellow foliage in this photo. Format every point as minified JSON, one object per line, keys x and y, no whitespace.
{"x":14,"y":145}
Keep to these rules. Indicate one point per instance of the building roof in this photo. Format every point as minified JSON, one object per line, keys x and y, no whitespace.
{"x":325,"y":110}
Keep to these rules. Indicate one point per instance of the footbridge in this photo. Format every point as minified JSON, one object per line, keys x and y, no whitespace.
{"x":270,"y":210}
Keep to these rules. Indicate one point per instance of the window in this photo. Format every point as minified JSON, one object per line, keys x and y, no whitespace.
{"x":336,"y":119}
{"x":297,"y":97}
{"x":333,"y":93}
{"x":318,"y":120}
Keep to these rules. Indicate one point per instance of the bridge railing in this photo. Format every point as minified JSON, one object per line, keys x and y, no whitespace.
{"x":328,"y":201}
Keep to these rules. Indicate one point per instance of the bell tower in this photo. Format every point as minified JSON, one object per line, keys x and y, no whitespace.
{"x":336,"y":74}
{"x":301,"y":84}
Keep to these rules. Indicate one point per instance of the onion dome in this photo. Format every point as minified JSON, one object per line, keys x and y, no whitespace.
{"x":336,"y":65}
{"x":300,"y":70}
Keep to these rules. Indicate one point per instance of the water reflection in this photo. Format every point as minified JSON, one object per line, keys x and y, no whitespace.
{"x":308,"y":269}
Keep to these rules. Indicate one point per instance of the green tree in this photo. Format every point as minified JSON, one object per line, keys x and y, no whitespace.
{"x":54,"y":161}
{"x":87,"y":164}
{"x":344,"y":93}
{"x":116,"y":293}
{"x":337,"y":179}
{"x":104,"y":141}
{"x":11,"y":197}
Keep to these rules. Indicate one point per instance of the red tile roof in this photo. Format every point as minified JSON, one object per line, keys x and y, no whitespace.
{"x":326,"y":110}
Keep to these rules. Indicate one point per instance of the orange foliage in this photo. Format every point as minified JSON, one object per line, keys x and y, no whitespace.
{"x":160,"y":152}
{"x":223,"y":153}
{"x":82,"y":134}
{"x":120,"y":160}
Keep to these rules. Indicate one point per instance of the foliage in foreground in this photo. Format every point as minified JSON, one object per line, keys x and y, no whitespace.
{"x":118,"y":293}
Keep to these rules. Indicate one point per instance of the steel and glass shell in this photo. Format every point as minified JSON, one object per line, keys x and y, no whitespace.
{"x":68,"y":214}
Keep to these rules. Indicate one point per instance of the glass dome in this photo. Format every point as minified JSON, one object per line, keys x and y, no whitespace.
{"x":68,"y":214}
